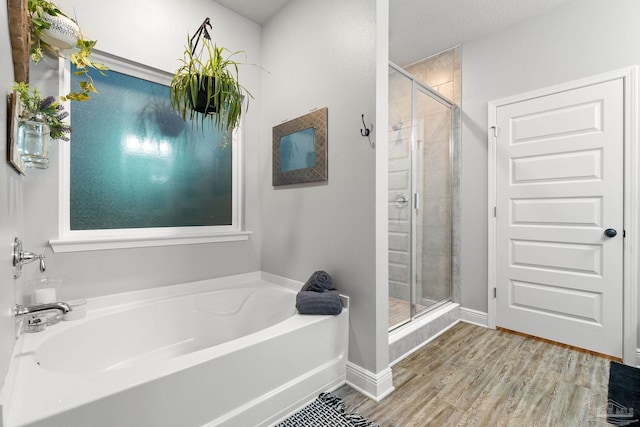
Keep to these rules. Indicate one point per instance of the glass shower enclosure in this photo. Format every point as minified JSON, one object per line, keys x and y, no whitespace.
{"x":420,"y":226}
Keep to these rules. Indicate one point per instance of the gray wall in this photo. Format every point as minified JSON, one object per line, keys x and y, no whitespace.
{"x":322,"y":54}
{"x":579,"y":39}
{"x":11,"y":193}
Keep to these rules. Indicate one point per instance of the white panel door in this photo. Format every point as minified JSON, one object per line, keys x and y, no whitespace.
{"x":559,"y":186}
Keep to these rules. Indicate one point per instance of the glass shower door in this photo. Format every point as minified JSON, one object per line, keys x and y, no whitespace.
{"x":399,"y":201}
{"x":419,"y":198}
{"x":433,"y":212}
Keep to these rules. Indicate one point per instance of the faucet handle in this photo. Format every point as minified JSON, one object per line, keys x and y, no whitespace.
{"x":21,"y":257}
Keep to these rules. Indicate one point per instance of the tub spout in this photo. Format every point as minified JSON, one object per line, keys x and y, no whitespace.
{"x":20,"y":310}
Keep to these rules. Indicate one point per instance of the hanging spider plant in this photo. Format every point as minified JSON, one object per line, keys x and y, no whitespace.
{"x":206,"y":84}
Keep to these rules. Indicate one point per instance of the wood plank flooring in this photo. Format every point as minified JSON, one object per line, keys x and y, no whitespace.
{"x":474,"y":376}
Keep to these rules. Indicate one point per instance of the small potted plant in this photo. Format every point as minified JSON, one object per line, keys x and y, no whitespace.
{"x":40,"y":120}
{"x":52,"y":30}
{"x":49,"y":107}
{"x":208,"y":87}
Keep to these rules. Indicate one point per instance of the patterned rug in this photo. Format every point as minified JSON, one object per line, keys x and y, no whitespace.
{"x":326,"y":411}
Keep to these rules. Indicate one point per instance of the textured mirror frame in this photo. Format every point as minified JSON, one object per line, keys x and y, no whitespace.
{"x":319,"y":171}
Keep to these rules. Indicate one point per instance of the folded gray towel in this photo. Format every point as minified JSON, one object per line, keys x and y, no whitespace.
{"x":310,"y":302}
{"x":320,"y":281}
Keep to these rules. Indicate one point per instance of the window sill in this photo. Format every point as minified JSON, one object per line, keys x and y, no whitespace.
{"x":85,"y":243}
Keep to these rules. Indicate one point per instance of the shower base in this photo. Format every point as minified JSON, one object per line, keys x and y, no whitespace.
{"x":410,"y":337}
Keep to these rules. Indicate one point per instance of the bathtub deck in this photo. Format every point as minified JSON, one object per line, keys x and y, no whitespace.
{"x":476,"y":376}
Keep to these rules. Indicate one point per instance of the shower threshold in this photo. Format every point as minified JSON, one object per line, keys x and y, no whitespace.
{"x":421,"y":330}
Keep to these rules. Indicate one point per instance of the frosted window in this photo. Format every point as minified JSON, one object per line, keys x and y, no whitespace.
{"x":136,"y":164}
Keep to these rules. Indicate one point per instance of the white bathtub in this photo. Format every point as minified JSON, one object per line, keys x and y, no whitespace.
{"x":228,"y":352}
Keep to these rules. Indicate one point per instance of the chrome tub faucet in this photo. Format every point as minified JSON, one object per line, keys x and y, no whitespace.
{"x":20,"y":310}
{"x":35,"y":315}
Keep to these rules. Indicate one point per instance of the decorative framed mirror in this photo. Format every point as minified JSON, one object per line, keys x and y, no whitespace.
{"x":300,"y":149}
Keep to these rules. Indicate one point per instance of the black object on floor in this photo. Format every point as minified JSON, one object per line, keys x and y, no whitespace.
{"x":326,"y":411}
{"x":623,"y":406}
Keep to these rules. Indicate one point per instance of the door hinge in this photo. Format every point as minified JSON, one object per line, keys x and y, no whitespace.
{"x":495,"y":211}
{"x":495,"y":292}
{"x":495,"y":131}
{"x":416,"y":201}
{"x":624,"y":233}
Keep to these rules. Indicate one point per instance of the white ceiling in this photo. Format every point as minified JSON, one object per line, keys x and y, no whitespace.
{"x":421,"y":28}
{"x":258,"y":11}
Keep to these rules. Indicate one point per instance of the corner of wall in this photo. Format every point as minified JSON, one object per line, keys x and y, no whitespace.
{"x":374,"y":386}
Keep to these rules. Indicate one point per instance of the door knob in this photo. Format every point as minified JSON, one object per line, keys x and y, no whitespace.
{"x":401,"y":200}
{"x":610,"y":232}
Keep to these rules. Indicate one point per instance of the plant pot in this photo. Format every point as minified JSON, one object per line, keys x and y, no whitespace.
{"x":63,"y":32}
{"x":201,"y":100}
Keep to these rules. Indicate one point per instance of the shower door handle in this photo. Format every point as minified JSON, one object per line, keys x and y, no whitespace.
{"x":401,"y":201}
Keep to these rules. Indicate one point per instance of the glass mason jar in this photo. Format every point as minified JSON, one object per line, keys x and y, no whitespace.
{"x":33,"y":141}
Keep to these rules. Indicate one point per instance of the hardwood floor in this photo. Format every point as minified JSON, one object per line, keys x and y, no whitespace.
{"x":474,"y":376}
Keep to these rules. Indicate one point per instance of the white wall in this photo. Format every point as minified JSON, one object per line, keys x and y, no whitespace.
{"x":11,"y":223}
{"x":322,"y":54}
{"x":579,"y":39}
{"x":153,"y":33}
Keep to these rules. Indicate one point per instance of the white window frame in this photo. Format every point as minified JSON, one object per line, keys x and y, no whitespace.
{"x":87,"y":240}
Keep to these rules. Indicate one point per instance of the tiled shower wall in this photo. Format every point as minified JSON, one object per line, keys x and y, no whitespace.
{"x":443,"y":74}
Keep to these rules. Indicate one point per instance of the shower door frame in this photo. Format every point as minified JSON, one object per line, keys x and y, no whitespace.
{"x":417,"y":201}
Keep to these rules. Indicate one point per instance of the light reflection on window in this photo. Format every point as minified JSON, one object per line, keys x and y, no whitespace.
{"x":132,"y":145}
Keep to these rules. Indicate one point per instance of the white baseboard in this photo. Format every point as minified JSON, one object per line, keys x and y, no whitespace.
{"x":474,"y":316}
{"x":374,"y":386}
